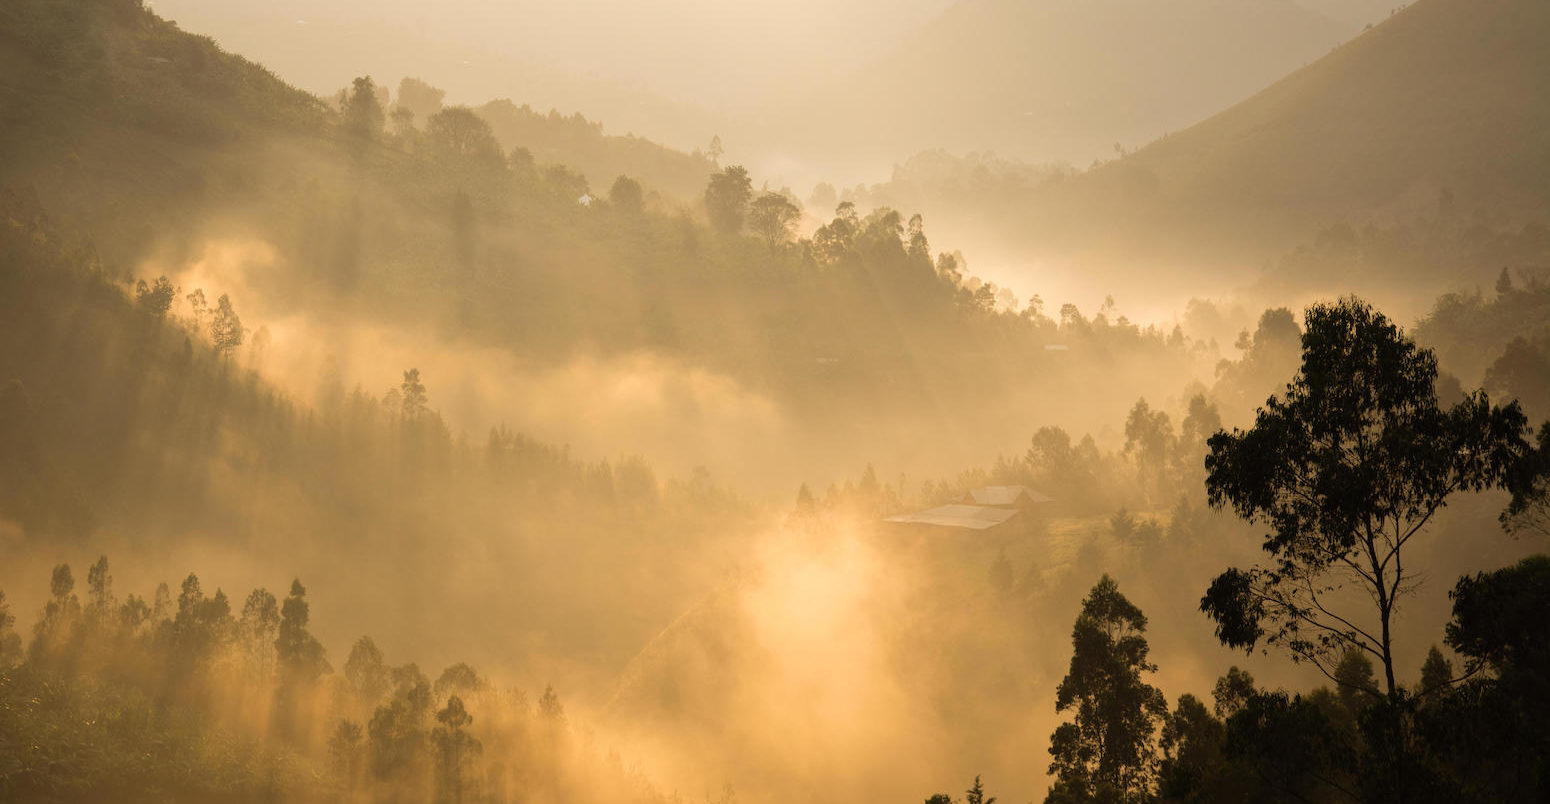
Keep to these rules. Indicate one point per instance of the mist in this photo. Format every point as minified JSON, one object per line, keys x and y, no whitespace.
{"x":946,"y":401}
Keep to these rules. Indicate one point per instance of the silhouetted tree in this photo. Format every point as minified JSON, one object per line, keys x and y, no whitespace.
{"x":362,"y":112}
{"x":772,"y":217}
{"x":420,"y":98}
{"x":1232,"y":691}
{"x":1436,"y":673}
{"x":1523,"y":373}
{"x":99,"y":590}
{"x":565,"y":183}
{"x":459,"y":136}
{"x":1149,"y":439}
{"x":626,"y":195}
{"x":976,"y":794}
{"x":225,"y":327}
{"x":1191,"y":751}
{"x":1504,"y":283}
{"x":726,"y":198}
{"x":161,"y":603}
{"x":523,"y":167}
{"x":1346,"y":467}
{"x":1354,"y":682}
{"x":201,"y":626}
{"x":1493,"y":732}
{"x":1529,"y":509}
{"x":155,"y":298}
{"x":412,"y":396}
{"x":10,"y":641}
{"x":454,"y":746}
{"x":61,"y":615}
{"x":198,"y":308}
{"x":397,"y":728}
{"x":459,"y":678}
{"x":1499,"y":620}
{"x":1292,"y":747}
{"x":1201,"y":421}
{"x":405,"y":135}
{"x":1106,"y":752}
{"x":836,"y":238}
{"x":918,"y":247}
{"x":366,"y":672}
{"x":300,"y":655}
{"x":258,"y":627}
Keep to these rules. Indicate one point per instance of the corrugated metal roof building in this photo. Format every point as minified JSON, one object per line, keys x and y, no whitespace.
{"x":980,"y":509}
{"x":972,"y":517}
{"x":1006,"y":496}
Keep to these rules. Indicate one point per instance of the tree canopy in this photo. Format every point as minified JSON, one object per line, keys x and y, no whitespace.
{"x":1106,"y":752}
{"x":1345,"y":467}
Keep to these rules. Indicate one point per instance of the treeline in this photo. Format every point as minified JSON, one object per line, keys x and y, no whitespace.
{"x":1502,"y":339}
{"x":412,"y":214}
{"x":187,"y":696}
{"x":580,"y":143}
{"x":1161,"y":451}
{"x":534,"y":259}
{"x":1344,"y":473}
{"x":413,"y":117}
{"x":1472,"y":732}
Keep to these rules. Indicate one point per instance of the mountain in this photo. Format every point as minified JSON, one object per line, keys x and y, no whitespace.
{"x":1437,"y":119}
{"x":1356,"y":13}
{"x":1056,"y":79}
{"x":1448,"y":96}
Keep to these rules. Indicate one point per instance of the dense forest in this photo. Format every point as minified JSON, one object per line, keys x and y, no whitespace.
{"x":699,"y":490}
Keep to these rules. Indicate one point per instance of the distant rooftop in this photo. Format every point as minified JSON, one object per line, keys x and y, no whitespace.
{"x":972,"y":517}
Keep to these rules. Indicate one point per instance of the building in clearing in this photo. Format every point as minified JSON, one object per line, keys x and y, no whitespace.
{"x":1015,"y":497}
{"x":992,"y":507}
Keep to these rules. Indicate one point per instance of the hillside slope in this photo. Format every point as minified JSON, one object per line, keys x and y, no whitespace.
{"x":1437,"y":119}
{"x":136,"y":132}
{"x":130,"y":126}
{"x":580,"y":143}
{"x":1448,"y":95}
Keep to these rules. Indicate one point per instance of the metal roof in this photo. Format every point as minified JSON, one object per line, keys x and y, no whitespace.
{"x":973,"y":517}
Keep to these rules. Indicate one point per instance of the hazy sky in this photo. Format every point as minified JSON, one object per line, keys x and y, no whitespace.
{"x":704,"y":51}
{"x":775,"y":79}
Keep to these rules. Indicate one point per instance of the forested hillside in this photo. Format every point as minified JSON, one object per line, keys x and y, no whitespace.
{"x":431,"y":223}
{"x":697,"y":493}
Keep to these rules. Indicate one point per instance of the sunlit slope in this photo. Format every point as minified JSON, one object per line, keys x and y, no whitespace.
{"x":1449,"y":99}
